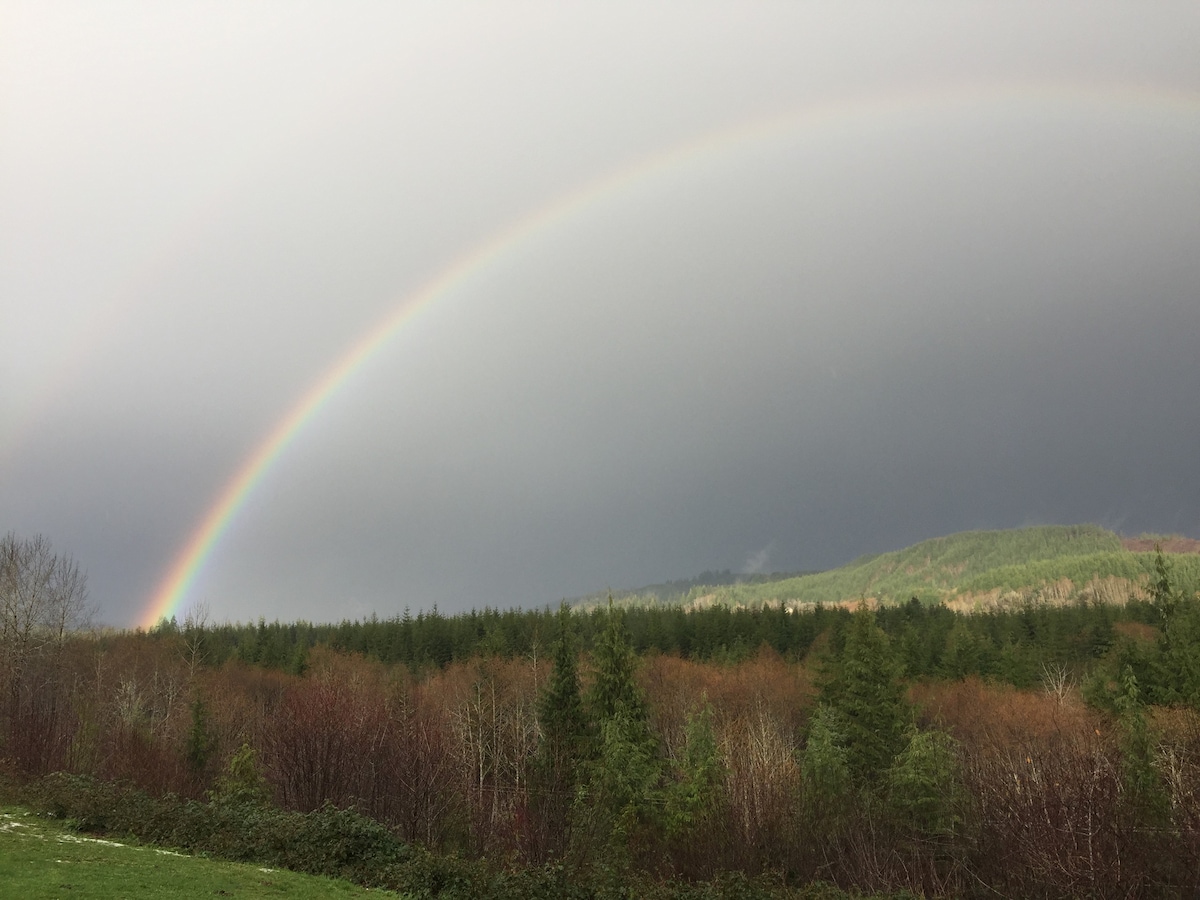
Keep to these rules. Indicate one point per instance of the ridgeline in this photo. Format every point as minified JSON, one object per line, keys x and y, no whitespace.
{"x":972,"y":571}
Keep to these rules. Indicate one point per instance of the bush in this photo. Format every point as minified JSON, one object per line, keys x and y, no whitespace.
{"x":341,"y":843}
{"x":338,"y":843}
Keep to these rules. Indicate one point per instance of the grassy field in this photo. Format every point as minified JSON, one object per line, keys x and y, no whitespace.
{"x":40,"y":860}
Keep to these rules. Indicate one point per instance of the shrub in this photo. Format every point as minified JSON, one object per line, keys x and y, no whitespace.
{"x":338,"y":843}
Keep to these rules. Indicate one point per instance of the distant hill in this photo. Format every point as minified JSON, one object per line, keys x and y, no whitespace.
{"x":972,"y":570}
{"x":673,"y":591}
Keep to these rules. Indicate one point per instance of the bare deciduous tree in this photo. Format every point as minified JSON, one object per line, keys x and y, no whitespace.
{"x":1057,"y":681}
{"x":43,"y":597}
{"x":195,"y":633}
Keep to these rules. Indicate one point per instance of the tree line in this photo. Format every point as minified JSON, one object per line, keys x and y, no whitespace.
{"x":870,"y":749}
{"x":1012,"y":645}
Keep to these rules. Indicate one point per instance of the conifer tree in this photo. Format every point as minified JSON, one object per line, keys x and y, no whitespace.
{"x":925,"y":788}
{"x":620,"y":802}
{"x":1145,"y":797}
{"x":1179,"y":649}
{"x":825,"y":772}
{"x":561,"y":717}
{"x":242,"y":781}
{"x":1163,"y":594}
{"x":615,"y":690}
{"x":864,"y":689}
{"x":963,"y":654}
{"x":565,"y":742}
{"x":696,"y":796}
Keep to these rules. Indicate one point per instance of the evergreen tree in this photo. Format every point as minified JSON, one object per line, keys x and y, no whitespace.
{"x":620,"y":802}
{"x":561,"y":717}
{"x":1144,"y":794}
{"x":825,"y":773}
{"x":620,"y":807}
{"x":962,"y":655}
{"x":242,"y":781}
{"x":564,"y":744}
{"x":696,"y":797}
{"x":924,"y":786}
{"x":1179,"y":666}
{"x":864,"y":690}
{"x":615,"y":689}
{"x":1163,"y":594}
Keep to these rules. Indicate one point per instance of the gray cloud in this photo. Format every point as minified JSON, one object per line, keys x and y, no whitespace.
{"x":834,"y":337}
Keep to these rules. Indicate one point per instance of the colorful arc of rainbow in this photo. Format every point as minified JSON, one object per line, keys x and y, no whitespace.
{"x":183,"y":572}
{"x":174,"y":587}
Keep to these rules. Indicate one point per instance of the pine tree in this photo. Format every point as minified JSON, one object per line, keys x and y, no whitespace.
{"x":864,"y":690}
{"x":1179,"y":657}
{"x":1163,"y":594}
{"x":565,"y":731}
{"x":1145,"y":797}
{"x":696,"y":796}
{"x":615,"y":690}
{"x":561,"y":717}
{"x":242,"y":781}
{"x":825,"y":770}
{"x":619,"y":805}
{"x":925,"y":788}
{"x":962,"y":655}
{"x":564,"y":745}
{"x":829,"y":802}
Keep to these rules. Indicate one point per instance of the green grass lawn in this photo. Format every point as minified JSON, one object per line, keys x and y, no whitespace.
{"x":40,"y":860}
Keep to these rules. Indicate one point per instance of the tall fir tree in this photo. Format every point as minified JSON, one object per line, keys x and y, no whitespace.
{"x":564,"y":746}
{"x":1144,"y":797}
{"x":619,"y":810}
{"x":1177,"y":668}
{"x":564,"y":725}
{"x":615,"y":690}
{"x":865,"y":690}
{"x":696,"y":797}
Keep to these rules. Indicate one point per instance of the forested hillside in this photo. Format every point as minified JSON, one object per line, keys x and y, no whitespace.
{"x":1044,"y":747}
{"x":969,"y":570}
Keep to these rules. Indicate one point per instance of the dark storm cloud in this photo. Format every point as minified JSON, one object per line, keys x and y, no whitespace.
{"x":876,"y":384}
{"x":823,"y":340}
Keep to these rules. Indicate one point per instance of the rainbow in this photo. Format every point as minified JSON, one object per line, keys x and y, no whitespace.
{"x":174,"y":587}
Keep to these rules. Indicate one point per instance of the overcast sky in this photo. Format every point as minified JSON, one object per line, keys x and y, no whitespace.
{"x":770,"y":286}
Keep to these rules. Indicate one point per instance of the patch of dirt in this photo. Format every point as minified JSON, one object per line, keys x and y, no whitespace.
{"x":1173,"y":543}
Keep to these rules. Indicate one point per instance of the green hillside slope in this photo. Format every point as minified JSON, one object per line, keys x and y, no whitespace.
{"x":1053,"y":562}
